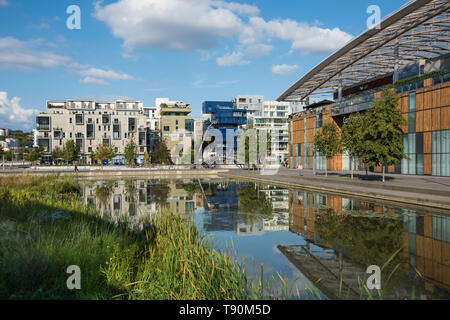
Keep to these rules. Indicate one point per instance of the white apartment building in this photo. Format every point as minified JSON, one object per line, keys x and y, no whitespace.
{"x":4,"y":132}
{"x":90,"y":123}
{"x":252,"y":103}
{"x":153,"y":118}
{"x":274,"y":119}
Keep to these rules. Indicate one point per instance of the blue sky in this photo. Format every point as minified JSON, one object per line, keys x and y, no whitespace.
{"x":190,"y":50}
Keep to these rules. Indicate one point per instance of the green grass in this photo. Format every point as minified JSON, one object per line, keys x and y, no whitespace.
{"x":45,"y":227}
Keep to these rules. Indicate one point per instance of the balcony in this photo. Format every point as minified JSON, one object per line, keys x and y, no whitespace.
{"x":357,"y":104}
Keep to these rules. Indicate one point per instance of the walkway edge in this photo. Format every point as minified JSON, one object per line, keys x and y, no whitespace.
{"x":405,"y":200}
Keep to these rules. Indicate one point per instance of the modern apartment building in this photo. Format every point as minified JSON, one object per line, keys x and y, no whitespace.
{"x":412,"y":62}
{"x":153,"y":118}
{"x":274,"y":120}
{"x":252,"y":103}
{"x":176,"y":127}
{"x":225,"y":116}
{"x":4,"y":132}
{"x":90,"y":123}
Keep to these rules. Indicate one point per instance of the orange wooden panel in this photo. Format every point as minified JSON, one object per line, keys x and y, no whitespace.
{"x":427,"y":164}
{"x":419,"y":246}
{"x":405,"y":127}
{"x":445,"y":94}
{"x":377,"y":95}
{"x":427,"y":104}
{"x":437,"y":251}
{"x":419,"y":101}
{"x":427,"y":121}
{"x":428,"y":82}
{"x":391,"y":169}
{"x":419,"y":121}
{"x":437,"y":98}
{"x":428,"y":248}
{"x":445,"y":117}
{"x":436,"y":119}
{"x":427,"y":148}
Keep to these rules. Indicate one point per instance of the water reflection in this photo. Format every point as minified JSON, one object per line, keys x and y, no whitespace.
{"x":305,"y":236}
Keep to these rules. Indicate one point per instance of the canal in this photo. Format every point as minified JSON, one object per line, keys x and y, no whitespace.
{"x":310,"y":239}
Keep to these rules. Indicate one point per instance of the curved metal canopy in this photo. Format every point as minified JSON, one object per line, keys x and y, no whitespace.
{"x":418,"y":30}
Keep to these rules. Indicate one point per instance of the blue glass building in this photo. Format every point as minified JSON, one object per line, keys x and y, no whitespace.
{"x":224,"y":115}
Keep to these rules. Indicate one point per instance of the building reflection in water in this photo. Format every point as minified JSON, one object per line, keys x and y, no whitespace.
{"x":362,"y":233}
{"x":343,"y":236}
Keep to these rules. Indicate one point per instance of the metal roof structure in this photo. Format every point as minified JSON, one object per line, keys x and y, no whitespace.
{"x":418,"y":30}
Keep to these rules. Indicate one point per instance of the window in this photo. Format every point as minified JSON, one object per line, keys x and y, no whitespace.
{"x":412,"y":112}
{"x":79,"y":119}
{"x":441,"y":153}
{"x":90,"y":134}
{"x":116,"y":131}
{"x":237,"y":114}
{"x":166,"y":128}
{"x":131,"y":124}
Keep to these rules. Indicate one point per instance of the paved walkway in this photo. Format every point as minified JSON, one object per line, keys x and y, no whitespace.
{"x":415,"y":190}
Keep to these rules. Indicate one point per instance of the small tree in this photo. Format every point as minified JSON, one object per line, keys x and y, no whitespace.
{"x":130,"y":152}
{"x":161,"y":153}
{"x":104,"y":152}
{"x":147,"y":159}
{"x":382,"y":135}
{"x":328,"y":141}
{"x":56,"y":153}
{"x":351,"y":137}
{"x":34,"y":155}
{"x":70,"y":151}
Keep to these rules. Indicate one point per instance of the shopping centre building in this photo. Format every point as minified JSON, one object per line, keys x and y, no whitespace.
{"x":410,"y":54}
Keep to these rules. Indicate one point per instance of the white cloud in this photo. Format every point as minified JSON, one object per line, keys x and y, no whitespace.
{"x":91,"y":80}
{"x":21,"y":55}
{"x":243,"y":9}
{"x":305,"y":39}
{"x":105,"y":74}
{"x":13,"y":115}
{"x":3,"y":3}
{"x":180,"y":25}
{"x":282,"y":69}
{"x":232,"y":59}
{"x":203,"y":24}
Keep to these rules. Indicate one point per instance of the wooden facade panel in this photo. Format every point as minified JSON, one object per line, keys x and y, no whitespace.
{"x":436,"y":119}
{"x":419,"y":121}
{"x":419,"y":101}
{"x":428,"y":82}
{"x":427,"y":148}
{"x":405,"y":127}
{"x":427,"y":120}
{"x":445,"y":117}
{"x":436,"y":98}
{"x":427,"y":100}
{"x":445,"y":95}
{"x":427,"y":164}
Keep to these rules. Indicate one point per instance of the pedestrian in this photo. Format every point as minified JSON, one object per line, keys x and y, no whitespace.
{"x":76,"y":168}
{"x":300,"y":169}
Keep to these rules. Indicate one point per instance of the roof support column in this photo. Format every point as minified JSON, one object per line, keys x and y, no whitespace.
{"x":340,"y":87}
{"x":396,"y":61}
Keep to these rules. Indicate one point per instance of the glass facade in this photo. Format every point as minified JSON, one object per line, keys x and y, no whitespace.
{"x":440,"y":153}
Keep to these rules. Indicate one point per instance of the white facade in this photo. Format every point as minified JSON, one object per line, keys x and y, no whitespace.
{"x":153,"y":117}
{"x":4,"y":132}
{"x":274,"y":119}
{"x":252,"y":103}
{"x":89,"y":123}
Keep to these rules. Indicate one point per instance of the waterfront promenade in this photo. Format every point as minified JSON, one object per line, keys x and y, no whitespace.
{"x":433,"y":192}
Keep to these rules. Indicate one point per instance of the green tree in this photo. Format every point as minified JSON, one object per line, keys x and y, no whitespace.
{"x":160,"y":152}
{"x":328,"y":141}
{"x":104,"y":152}
{"x":253,"y":201}
{"x":2,"y":152}
{"x":56,"y":154}
{"x":382,"y":134}
{"x":147,"y":159}
{"x":70,"y":151}
{"x":351,"y":137}
{"x":130,"y":152}
{"x":34,"y":155}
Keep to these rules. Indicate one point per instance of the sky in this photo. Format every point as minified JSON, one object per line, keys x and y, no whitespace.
{"x":188,"y":50}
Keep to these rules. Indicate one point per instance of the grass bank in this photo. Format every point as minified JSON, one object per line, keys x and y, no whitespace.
{"x":45,"y":227}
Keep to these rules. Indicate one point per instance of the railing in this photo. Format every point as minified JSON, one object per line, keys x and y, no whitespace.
{"x":43,"y":127}
{"x":359,"y":103}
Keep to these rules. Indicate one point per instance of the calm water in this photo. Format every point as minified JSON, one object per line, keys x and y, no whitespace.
{"x":306,"y":237}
